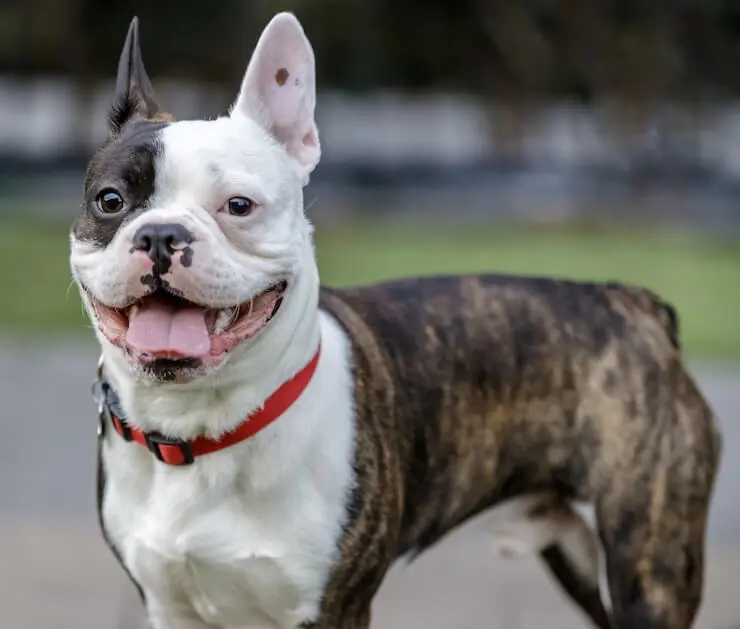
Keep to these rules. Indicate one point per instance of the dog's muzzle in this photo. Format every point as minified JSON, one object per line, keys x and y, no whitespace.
{"x":160,"y":241}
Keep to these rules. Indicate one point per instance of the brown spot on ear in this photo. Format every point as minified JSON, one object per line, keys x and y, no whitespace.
{"x":281,"y":76}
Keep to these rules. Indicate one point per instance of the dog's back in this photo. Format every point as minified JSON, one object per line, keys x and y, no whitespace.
{"x":478,"y":389}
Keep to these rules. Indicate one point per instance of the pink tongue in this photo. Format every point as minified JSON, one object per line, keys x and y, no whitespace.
{"x":161,"y":329}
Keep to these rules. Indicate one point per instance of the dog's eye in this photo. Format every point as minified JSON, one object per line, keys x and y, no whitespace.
{"x":109,"y":201}
{"x":239,"y":206}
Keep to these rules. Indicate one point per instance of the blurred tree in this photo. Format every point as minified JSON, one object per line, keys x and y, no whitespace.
{"x":521,"y":49}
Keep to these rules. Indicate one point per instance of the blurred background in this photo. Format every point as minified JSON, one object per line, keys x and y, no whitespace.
{"x":591,"y":139}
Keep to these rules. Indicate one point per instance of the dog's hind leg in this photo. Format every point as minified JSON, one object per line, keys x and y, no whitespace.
{"x":582,"y":589}
{"x":654,"y":576}
{"x":652,"y":516}
{"x":576,"y":561}
{"x":565,"y":540}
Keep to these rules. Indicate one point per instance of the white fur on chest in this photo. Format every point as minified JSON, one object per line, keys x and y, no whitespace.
{"x":246,"y":536}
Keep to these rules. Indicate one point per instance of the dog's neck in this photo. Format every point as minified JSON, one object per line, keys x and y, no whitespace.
{"x":217,"y":403}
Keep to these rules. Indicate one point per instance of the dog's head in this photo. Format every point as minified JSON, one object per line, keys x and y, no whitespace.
{"x":192,"y":239}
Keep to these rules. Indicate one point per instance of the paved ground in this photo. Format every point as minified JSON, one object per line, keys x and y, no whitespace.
{"x":55,"y":572}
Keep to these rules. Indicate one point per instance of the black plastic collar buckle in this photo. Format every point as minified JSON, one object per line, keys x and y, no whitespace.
{"x":109,"y":410}
{"x":155,"y":441}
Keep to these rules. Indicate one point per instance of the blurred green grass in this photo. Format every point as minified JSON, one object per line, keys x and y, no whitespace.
{"x":700,"y":275}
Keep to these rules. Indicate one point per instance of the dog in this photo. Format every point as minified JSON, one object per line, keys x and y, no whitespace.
{"x":269,"y":447}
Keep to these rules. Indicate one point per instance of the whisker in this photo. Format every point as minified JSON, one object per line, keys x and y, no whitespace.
{"x":234,"y":316}
{"x":311,"y":204}
{"x":69,"y":288}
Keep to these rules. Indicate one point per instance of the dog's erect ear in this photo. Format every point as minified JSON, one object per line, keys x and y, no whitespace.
{"x":134,"y":95}
{"x":279,"y":89}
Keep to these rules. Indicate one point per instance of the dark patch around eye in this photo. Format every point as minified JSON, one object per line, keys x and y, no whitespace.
{"x":128,"y":160}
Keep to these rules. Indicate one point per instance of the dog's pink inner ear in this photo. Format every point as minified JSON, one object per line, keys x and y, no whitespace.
{"x":286,"y":90}
{"x":279,"y":89}
{"x":310,"y":139}
{"x":284,"y":94}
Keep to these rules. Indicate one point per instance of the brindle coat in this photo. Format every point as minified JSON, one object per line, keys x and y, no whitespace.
{"x":471,"y":390}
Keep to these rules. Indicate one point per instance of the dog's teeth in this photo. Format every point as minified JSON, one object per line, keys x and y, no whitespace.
{"x":223,"y":319}
{"x":133,"y":310}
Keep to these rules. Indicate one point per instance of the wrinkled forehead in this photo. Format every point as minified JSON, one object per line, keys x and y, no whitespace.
{"x":216,"y":151}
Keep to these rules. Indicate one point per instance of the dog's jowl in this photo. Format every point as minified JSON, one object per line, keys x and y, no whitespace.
{"x":270,"y":447}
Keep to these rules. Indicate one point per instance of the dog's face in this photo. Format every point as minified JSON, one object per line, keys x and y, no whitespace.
{"x":192,"y":233}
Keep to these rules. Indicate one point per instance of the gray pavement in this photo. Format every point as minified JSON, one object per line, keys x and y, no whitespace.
{"x":55,"y":573}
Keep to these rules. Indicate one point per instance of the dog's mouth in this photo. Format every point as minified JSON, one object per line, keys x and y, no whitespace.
{"x":163,"y":326}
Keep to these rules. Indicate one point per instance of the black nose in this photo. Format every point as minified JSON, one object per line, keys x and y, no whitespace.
{"x":160,"y":240}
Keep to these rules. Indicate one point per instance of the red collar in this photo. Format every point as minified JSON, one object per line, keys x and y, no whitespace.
{"x":180,"y":452}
